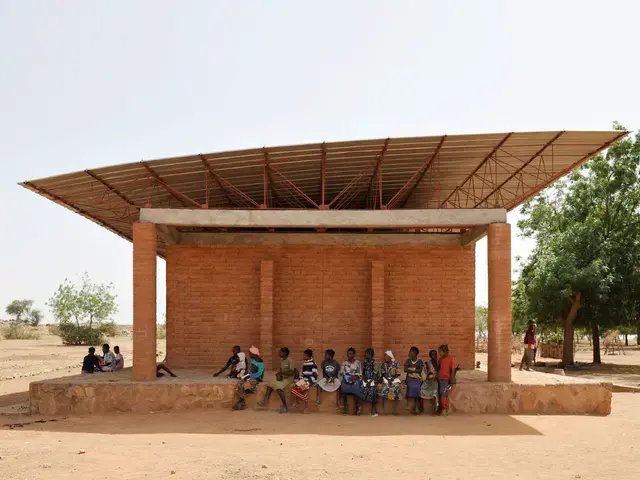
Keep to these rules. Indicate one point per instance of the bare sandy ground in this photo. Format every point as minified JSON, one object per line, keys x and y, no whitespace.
{"x":25,"y":361}
{"x":266,"y":445}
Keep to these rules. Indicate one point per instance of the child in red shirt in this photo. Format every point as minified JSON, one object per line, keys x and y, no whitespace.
{"x":446,"y":377}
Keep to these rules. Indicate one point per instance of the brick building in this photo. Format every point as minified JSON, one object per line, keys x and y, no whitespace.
{"x":367,"y":243}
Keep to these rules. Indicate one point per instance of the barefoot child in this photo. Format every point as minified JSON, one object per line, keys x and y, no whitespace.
{"x":308,"y":378}
{"x":446,"y":377}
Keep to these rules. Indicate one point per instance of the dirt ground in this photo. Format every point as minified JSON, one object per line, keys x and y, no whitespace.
{"x":25,"y":361}
{"x":265,"y":445}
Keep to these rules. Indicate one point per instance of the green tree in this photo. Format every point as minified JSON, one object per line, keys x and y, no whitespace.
{"x":82,"y":310}
{"x":23,"y":312}
{"x":583,"y":268}
{"x":482,"y":324}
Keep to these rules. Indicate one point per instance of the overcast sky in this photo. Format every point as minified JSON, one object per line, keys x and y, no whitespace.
{"x":89,"y":84}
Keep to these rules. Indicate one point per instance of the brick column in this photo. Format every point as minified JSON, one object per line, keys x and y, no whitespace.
{"x":499,"y":263}
{"x":377,"y":307}
{"x":266,"y":312}
{"x":144,"y":301}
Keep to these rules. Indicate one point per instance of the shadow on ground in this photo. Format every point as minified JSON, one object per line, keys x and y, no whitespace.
{"x":271,"y":423}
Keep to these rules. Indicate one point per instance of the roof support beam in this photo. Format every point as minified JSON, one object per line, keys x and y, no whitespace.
{"x":269,"y":176}
{"x":406,"y":189}
{"x":296,"y":190}
{"x":111,"y":188}
{"x":181,"y":197}
{"x":480,"y":165}
{"x":72,"y":207}
{"x":377,"y":173}
{"x":470,"y":237}
{"x":522,"y":167}
{"x":323,"y":173}
{"x":217,"y":180}
{"x":325,"y":239}
{"x":554,"y":176}
{"x":324,"y":218}
{"x":170,"y":235}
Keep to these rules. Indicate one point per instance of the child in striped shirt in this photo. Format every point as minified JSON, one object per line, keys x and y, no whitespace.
{"x":305,"y":381}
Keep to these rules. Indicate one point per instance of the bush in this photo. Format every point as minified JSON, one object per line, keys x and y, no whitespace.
{"x":109,"y":329}
{"x":20,"y":331}
{"x":161,"y":332}
{"x":73,"y":334}
{"x":54,"y":329}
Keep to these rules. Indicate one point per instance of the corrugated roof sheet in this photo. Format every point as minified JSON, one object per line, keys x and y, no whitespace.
{"x":451,"y":171}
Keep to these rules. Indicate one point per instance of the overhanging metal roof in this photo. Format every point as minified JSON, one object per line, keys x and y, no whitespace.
{"x":451,"y":171}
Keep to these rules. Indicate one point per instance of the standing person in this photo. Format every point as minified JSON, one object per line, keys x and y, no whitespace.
{"x":390,"y":388}
{"x":109,"y":359}
{"x":370,"y":375}
{"x":250,"y":381}
{"x":284,"y":378}
{"x":91,"y":362}
{"x":308,"y":378}
{"x":351,"y":380}
{"x":119,"y":359}
{"x":330,"y":381}
{"x":232,"y":359}
{"x":529,"y":345}
{"x":429,"y":388}
{"x":446,"y":377}
{"x":413,"y":368}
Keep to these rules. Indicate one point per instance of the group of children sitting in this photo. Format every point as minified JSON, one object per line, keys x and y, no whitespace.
{"x":107,"y":362}
{"x":367,"y":380}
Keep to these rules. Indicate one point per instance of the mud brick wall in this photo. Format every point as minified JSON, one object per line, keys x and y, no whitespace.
{"x":317,"y":297}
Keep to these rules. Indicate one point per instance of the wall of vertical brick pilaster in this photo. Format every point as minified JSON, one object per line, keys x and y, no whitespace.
{"x":144,"y":301}
{"x":377,"y":307}
{"x":266,"y":313}
{"x":322,"y":298}
{"x":499,"y":279}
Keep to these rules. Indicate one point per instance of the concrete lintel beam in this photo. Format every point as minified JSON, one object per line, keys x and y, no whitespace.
{"x":402,"y":218}
{"x":322,"y":239}
{"x":472,"y":236}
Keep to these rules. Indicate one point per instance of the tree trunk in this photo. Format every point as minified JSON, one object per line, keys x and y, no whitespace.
{"x":595,"y":333}
{"x":626,"y":340}
{"x":567,"y":348}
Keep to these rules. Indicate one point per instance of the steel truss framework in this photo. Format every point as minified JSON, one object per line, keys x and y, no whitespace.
{"x":425,"y":172}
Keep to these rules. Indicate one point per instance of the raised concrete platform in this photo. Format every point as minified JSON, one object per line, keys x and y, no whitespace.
{"x":529,"y":393}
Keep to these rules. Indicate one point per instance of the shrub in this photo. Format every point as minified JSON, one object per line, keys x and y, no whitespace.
{"x":20,"y":331}
{"x":161,"y":332}
{"x":73,"y":334}
{"x":54,"y":329}
{"x":109,"y":329}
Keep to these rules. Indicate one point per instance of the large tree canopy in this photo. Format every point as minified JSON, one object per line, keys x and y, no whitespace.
{"x":584,"y":268}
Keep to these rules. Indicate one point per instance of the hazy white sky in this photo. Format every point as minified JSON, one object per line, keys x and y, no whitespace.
{"x":88,"y":84}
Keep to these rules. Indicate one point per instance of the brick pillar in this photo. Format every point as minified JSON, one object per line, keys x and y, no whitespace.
{"x":266,"y":312}
{"x":144,"y":301}
{"x":377,"y":307}
{"x":499,"y":263}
